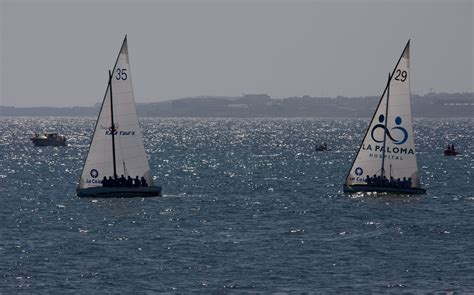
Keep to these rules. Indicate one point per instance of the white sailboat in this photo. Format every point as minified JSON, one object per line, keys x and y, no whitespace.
{"x":386,"y":160}
{"x":117,"y":165}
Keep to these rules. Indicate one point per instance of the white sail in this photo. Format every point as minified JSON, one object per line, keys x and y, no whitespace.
{"x":130,"y":153}
{"x":392,"y":124}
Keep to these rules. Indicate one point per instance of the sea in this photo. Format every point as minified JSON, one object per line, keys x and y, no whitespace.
{"x":248,"y":207}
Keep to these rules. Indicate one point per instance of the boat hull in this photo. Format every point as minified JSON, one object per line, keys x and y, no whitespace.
{"x":450,"y":153}
{"x":350,"y":189}
{"x":119,"y":192}
{"x":322,"y":149}
{"x":48,"y":142}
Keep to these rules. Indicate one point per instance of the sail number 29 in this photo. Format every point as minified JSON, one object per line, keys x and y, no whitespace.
{"x":121,"y":74}
{"x":401,"y":75}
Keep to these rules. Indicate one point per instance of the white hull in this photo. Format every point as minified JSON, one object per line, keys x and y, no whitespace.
{"x":48,"y":142}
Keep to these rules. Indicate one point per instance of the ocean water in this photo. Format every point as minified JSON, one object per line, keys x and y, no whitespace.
{"x":248,"y":206}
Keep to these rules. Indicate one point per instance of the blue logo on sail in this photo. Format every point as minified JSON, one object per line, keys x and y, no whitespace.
{"x":94,"y":173}
{"x":398,"y":137}
{"x":359,"y":171}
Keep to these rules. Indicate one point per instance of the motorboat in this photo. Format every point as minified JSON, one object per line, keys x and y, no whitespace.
{"x":48,"y":139}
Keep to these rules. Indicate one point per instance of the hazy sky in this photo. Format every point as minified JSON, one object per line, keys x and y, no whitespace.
{"x":57,"y":53}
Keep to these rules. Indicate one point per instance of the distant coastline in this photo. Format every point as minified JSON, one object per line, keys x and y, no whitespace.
{"x":431,"y":105}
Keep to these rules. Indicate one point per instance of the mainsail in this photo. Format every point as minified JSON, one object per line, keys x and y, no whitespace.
{"x":130,"y":156}
{"x":388,"y":148}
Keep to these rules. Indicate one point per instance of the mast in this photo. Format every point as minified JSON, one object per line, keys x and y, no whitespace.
{"x":382,"y":171}
{"x":113,"y":124}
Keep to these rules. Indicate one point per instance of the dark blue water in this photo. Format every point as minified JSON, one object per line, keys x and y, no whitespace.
{"x":248,"y":206}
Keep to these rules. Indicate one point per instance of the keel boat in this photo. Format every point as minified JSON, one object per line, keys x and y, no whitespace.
{"x":116,"y":164}
{"x":386,"y":159}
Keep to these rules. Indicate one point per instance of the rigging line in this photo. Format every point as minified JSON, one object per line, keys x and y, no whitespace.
{"x":125,"y":169}
{"x":385,"y":129}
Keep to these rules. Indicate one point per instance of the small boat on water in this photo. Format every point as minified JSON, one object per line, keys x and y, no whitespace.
{"x":48,"y":139}
{"x":451,"y":151}
{"x":117,"y":143}
{"x":386,"y":160}
{"x":322,"y":148}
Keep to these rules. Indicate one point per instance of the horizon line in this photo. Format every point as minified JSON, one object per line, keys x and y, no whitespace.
{"x":229,"y":96}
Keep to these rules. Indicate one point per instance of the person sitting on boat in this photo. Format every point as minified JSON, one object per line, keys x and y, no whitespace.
{"x":105,"y":182}
{"x":452,"y":148}
{"x":122,"y":181}
{"x":409,"y":184}
{"x":391,"y":183}
{"x":136,"y":181}
{"x":449,"y":148}
{"x":110,"y":182}
{"x":379,"y":180}
{"x":368,"y":180}
{"x":129,"y":181}
{"x":404,"y":183}
{"x":374,"y":180}
{"x":116,"y":181}
{"x":143,"y":181}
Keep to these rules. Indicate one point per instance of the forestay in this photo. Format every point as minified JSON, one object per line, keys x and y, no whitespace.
{"x":392,"y":124}
{"x":130,"y":153}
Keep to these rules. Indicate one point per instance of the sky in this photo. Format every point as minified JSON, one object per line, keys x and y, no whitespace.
{"x":58,"y":53}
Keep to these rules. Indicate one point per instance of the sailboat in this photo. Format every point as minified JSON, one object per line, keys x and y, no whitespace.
{"x":116,"y":164}
{"x":386,"y":159}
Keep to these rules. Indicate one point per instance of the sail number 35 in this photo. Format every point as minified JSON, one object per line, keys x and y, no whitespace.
{"x":121,"y":74}
{"x":401,"y":75}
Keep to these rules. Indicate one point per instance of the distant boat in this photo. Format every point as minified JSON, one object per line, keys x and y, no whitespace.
{"x":386,"y":160}
{"x":451,"y":151}
{"x":116,"y":151}
{"x":322,"y":147}
{"x":48,"y":139}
